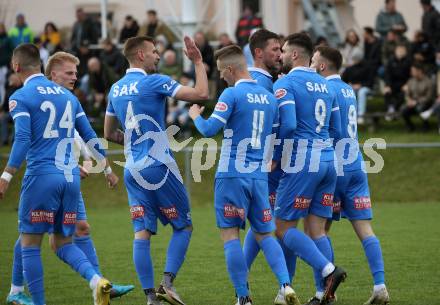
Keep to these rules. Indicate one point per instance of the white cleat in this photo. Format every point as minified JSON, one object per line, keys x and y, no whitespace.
{"x":279,"y":299}
{"x":380,"y":297}
{"x":286,"y":296}
{"x":101,"y":293}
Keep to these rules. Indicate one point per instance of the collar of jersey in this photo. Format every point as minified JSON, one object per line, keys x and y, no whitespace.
{"x":334,"y":76}
{"x":31,"y":77}
{"x":262,"y":71}
{"x":135,"y":70}
{"x":305,"y":69}
{"x":245,"y":80}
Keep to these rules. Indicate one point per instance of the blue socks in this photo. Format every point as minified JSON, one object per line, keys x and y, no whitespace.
{"x":33,"y":273}
{"x":274,"y":257}
{"x":324,"y":245}
{"x":250,"y":248}
{"x":375,"y":260}
{"x":17,"y":265}
{"x":177,"y":250}
{"x":142,"y":263}
{"x":305,"y":248}
{"x":86,"y":245}
{"x":236,"y":266}
{"x":75,"y":258}
{"x":290,"y":260}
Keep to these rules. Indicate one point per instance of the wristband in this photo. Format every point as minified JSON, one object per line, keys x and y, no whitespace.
{"x":107,"y":170}
{"x":6,"y":176}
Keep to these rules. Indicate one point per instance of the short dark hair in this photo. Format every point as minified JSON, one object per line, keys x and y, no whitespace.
{"x":228,"y":51}
{"x":332,"y":55}
{"x":425,"y":2}
{"x":301,"y":40}
{"x":27,"y":56}
{"x":369,"y":30}
{"x":260,"y":38}
{"x":152,"y":12}
{"x":419,"y":66}
{"x":133,"y":43}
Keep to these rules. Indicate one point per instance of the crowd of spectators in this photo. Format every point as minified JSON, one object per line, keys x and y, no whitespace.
{"x":381,"y":61}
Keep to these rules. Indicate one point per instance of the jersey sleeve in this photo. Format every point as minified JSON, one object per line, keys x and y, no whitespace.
{"x":87,"y":133}
{"x":22,"y":124}
{"x":335,"y":129}
{"x":110,"y":110}
{"x":286,"y":108}
{"x":219,"y":117}
{"x":165,"y":85}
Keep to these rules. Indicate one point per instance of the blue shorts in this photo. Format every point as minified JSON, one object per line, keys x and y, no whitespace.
{"x":303,"y":193}
{"x":48,"y":203}
{"x":236,"y":199}
{"x":352,"y":195}
{"x":81,"y":209}
{"x":169,"y":203}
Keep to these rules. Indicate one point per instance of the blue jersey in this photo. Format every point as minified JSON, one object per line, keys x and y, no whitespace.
{"x":309,"y":113}
{"x":262,"y":77}
{"x":138,"y":101}
{"x":45,"y":117}
{"x":248,"y":112}
{"x":347,"y":106}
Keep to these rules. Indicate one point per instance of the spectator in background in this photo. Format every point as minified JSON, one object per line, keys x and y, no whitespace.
{"x":419,"y":93}
{"x":84,"y":31}
{"x":5,"y":59}
{"x":247,"y":22}
{"x":397,"y":73}
{"x":357,"y":76}
{"x":44,"y":53}
{"x":389,"y":45}
{"x":51,"y":38}
{"x":321,"y":41}
{"x":154,"y":27}
{"x":435,"y":109}
{"x":84,"y":54}
{"x":390,"y":19}
{"x":21,"y":32}
{"x":170,"y":65}
{"x":352,"y":46}
{"x":206,"y":50}
{"x":431,"y":22}
{"x":130,"y":29}
{"x":112,"y":57}
{"x":14,"y":84}
{"x":424,"y":52}
{"x":372,"y":49}
{"x":101,"y":78}
{"x":224,"y":41}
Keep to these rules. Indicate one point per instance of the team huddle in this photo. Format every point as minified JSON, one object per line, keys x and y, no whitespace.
{"x":278,"y":164}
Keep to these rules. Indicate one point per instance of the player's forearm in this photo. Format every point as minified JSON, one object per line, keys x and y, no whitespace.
{"x":19,"y":150}
{"x":116,"y":136}
{"x":208,"y":128}
{"x":201,"y":85}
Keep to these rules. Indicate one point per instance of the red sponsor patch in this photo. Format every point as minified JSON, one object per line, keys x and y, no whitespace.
{"x":280,"y":93}
{"x":302,"y":203}
{"x":231,"y":211}
{"x":272,"y":198}
{"x":170,"y":213}
{"x":40,"y":216}
{"x":12,"y":105}
{"x":362,"y":203}
{"x":69,"y":218}
{"x":137,"y":211}
{"x":222,"y":107}
{"x":267,"y":215}
{"x":327,"y":200}
{"x":337,"y":207}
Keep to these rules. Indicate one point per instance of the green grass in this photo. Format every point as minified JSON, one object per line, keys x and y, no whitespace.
{"x":408,"y":233}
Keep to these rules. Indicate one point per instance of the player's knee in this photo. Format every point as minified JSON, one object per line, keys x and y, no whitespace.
{"x":82,"y":228}
{"x":260,"y":236}
{"x":52,"y":244}
{"x":188,"y":228}
{"x":363,"y":228}
{"x":144,"y":234}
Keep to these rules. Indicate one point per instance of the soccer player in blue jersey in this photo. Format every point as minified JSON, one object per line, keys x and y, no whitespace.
{"x":61,"y":68}
{"x":352,"y":195}
{"x":45,"y":116}
{"x":154,"y":185}
{"x":309,"y":118}
{"x":247,"y":113}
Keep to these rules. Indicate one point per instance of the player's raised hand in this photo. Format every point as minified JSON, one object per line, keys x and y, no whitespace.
{"x":195,"y":110}
{"x":112,"y":180}
{"x":3,"y":187}
{"x":191,"y":50}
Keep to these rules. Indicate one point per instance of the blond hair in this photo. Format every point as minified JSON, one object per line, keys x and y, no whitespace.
{"x":58,"y":59}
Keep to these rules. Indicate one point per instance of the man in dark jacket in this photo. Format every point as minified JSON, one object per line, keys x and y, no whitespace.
{"x":112,"y":57}
{"x":390,"y":19}
{"x":247,"y":22}
{"x":372,"y":49}
{"x":84,"y":31}
{"x":431,"y":22}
